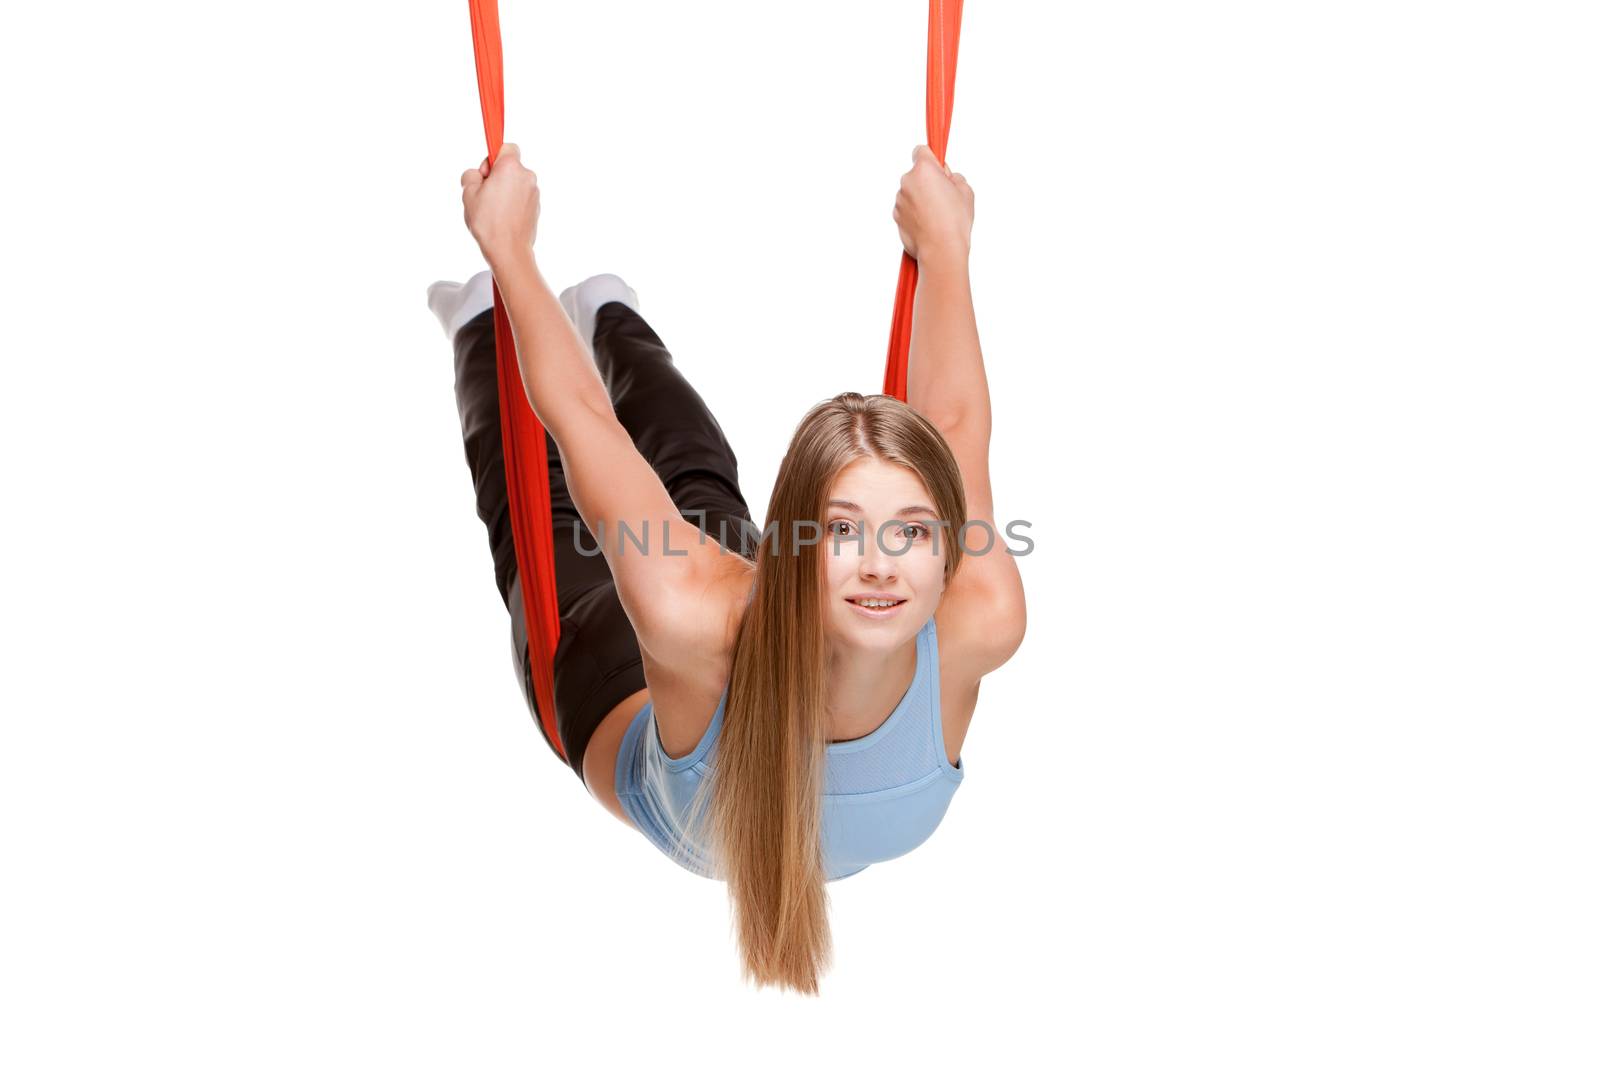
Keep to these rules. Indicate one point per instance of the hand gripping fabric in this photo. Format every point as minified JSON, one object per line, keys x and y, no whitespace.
{"x":944,"y":37}
{"x":527,"y":475}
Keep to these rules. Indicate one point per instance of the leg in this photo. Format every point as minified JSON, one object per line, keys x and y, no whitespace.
{"x":672,"y":427}
{"x":597,"y":663}
{"x":577,"y":674}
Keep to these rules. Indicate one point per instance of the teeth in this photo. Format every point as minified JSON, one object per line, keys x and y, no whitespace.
{"x":877,"y":603}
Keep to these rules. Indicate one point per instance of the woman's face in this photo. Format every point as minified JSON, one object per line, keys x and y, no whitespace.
{"x":879,"y":541}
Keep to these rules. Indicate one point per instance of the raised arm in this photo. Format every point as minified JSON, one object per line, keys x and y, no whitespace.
{"x":610,"y":482}
{"x":933,"y":211}
{"x":946,"y":384}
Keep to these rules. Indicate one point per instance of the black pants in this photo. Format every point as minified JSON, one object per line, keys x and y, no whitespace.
{"x":597,"y":660}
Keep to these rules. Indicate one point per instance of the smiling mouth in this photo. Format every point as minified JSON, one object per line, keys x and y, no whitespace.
{"x":876,"y":604}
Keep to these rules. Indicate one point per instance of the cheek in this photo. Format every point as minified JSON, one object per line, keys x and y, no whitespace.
{"x":839,"y":570}
{"x":930,"y":572}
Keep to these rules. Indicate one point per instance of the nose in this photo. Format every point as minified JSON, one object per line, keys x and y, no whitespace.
{"x":877,"y":563}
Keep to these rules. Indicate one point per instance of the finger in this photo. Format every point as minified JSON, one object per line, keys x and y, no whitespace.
{"x":470,"y":178}
{"x":509,"y":151}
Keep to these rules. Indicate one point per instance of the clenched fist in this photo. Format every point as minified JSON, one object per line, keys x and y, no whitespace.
{"x":501,"y":204}
{"x":933,"y":208}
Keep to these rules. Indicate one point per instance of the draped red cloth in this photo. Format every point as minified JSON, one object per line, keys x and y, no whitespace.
{"x":527,"y":472}
{"x":944,"y":36}
{"x":523,"y":435}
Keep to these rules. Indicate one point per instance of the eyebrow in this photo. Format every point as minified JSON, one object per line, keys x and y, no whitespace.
{"x":850,"y":505}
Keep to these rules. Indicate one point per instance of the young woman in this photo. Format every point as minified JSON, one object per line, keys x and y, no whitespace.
{"x":816,"y":675}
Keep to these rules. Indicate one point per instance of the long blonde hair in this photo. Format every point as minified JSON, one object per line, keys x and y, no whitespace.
{"x":763,"y":800}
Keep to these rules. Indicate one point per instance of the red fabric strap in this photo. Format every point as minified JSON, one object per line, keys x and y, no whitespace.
{"x":944,"y":37}
{"x":523,"y":435}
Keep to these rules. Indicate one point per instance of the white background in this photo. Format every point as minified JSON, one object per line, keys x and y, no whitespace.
{"x":1290,"y":318}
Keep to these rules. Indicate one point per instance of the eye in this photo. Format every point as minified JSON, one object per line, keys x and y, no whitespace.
{"x":833,"y":526}
{"x":919,"y":529}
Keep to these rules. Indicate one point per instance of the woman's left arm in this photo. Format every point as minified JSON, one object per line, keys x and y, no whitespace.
{"x":984,"y":604}
{"x":946,"y":384}
{"x":933,"y":211}
{"x":945,"y":381}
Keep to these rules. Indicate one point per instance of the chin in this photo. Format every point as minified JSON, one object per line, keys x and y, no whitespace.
{"x":851,"y":628}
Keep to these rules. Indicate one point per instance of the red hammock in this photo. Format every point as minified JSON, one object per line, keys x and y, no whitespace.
{"x":527,"y":476}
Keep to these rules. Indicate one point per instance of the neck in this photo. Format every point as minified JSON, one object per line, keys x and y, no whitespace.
{"x":865,"y":686}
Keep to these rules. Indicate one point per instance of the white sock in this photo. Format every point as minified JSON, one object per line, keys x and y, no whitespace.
{"x":458,"y":303}
{"x":583,"y":301}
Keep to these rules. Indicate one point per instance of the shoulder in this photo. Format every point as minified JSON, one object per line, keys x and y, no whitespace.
{"x":980,"y":622}
{"x":982,"y":617}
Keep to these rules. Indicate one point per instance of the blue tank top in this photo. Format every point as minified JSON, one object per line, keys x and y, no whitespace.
{"x":883,"y":794}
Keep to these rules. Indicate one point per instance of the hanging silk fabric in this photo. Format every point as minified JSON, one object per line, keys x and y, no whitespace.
{"x":523,"y":435}
{"x":944,"y":35}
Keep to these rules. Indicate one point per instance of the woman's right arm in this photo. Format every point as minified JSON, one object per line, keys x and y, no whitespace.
{"x":612,"y":485}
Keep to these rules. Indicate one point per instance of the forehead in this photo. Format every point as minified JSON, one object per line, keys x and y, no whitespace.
{"x":876,"y":486}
